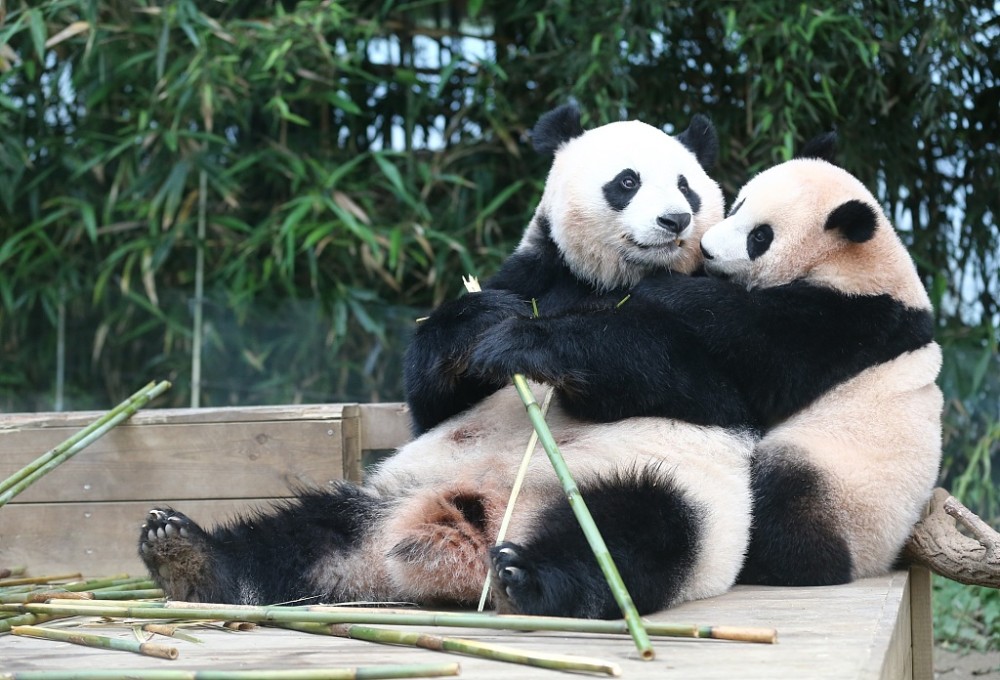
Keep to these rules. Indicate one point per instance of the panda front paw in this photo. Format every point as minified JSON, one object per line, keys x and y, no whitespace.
{"x":516,"y":584}
{"x":523,"y":346}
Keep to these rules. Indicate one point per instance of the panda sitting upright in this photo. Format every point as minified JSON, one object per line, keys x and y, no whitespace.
{"x":622,"y":201}
{"x":817,"y":316}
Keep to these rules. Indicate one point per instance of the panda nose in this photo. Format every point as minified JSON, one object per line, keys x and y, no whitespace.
{"x":708,"y":255}
{"x":675,"y":223}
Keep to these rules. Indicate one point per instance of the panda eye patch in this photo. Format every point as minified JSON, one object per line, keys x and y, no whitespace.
{"x":620,"y":190}
{"x":759,"y":240}
{"x":693,"y":199}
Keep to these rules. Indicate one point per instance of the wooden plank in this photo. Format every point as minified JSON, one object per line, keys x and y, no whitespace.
{"x":225,"y":414}
{"x":922,"y":623}
{"x":824,"y":634}
{"x":351,"y":444}
{"x":384,"y":426}
{"x":180,"y":459}
{"x":93,"y":538}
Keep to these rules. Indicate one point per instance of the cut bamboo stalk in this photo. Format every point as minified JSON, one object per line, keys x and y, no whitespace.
{"x":68,"y":443}
{"x":12,"y":571}
{"x":460,"y":646}
{"x":583,"y":516}
{"x":41,"y":466}
{"x":99,"y":641}
{"x":515,"y":490}
{"x":38,"y":580}
{"x":28,"y":620}
{"x":586,"y":521}
{"x":326,"y":614}
{"x":356,"y":673}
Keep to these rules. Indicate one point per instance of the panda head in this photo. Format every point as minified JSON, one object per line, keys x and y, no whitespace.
{"x":625,"y":199}
{"x":807,"y":219}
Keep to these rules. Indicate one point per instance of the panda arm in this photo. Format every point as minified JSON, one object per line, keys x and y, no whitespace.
{"x":785,"y":346}
{"x":436,"y":378}
{"x":613,"y":362}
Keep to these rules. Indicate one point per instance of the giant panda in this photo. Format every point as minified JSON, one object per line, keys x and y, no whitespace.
{"x":671,"y":495}
{"x":816,"y":314}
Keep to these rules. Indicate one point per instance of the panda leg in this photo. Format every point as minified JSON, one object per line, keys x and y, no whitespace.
{"x":651,"y":530}
{"x":440,"y":543}
{"x":308,"y":549}
{"x":795,"y":539}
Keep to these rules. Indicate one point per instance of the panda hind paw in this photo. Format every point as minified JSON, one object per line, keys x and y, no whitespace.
{"x":177,"y":552}
{"x":516,"y":587}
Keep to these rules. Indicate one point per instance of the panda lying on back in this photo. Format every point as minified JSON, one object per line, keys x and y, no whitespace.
{"x":622,"y":201}
{"x":823,"y":327}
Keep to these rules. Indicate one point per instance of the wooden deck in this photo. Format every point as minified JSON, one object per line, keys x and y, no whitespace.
{"x":861,"y":630}
{"x":84,"y":516}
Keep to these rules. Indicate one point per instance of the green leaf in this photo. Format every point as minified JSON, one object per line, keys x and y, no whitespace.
{"x":39,"y":33}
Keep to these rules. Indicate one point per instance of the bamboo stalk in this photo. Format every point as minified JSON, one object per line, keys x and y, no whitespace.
{"x":459,"y":646}
{"x":515,"y":491}
{"x":47,"y":462}
{"x":326,"y":614}
{"x":99,"y":641}
{"x":12,"y":571}
{"x":37,"y":580}
{"x":356,"y":673}
{"x":586,"y":520}
{"x":28,"y":620}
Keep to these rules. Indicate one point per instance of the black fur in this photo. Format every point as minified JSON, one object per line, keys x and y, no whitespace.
{"x":795,"y":539}
{"x":823,"y":147}
{"x":436,"y":368}
{"x":620,"y":191}
{"x":705,"y":350}
{"x":555,"y":128}
{"x":759,"y":240}
{"x":651,"y":530}
{"x":271,"y":552}
{"x":854,"y":219}
{"x":702,"y":140}
{"x":693,"y":199}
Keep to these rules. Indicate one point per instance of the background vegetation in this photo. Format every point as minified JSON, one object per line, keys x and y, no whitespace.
{"x":255,"y":199}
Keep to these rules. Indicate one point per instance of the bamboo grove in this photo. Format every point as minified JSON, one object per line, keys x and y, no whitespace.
{"x":254,"y":200}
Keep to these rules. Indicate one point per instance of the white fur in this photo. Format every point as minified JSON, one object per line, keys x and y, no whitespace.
{"x":876,"y":438}
{"x":609,"y":248}
{"x":795,"y":199}
{"x":483,"y":447}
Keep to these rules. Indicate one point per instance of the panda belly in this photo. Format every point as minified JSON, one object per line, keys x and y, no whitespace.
{"x":839,"y":486}
{"x":451,"y":487}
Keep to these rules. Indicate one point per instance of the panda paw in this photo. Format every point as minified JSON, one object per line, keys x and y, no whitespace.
{"x":515,"y":582}
{"x":177,"y":552}
{"x":522,"y":346}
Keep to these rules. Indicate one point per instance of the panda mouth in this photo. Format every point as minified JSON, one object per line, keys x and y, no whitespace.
{"x":673,"y":244}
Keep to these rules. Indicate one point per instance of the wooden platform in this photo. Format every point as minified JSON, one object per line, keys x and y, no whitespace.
{"x":85,"y":516}
{"x":861,"y":630}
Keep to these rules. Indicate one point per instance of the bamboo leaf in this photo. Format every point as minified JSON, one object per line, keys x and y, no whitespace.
{"x":36,"y":24}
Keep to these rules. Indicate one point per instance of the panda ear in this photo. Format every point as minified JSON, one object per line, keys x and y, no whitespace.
{"x":823,"y":147}
{"x":555,"y":128}
{"x":702,"y":140}
{"x":855,"y":220}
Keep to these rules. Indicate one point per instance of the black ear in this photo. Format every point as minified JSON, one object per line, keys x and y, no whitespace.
{"x":702,"y":140}
{"x":555,"y":128}
{"x":855,"y":220}
{"x":823,"y":147}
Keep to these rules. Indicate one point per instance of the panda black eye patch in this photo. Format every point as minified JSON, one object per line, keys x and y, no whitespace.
{"x":759,"y":240}
{"x":619,"y":191}
{"x":693,"y":199}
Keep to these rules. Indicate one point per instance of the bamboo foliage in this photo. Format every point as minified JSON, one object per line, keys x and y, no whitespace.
{"x":354,"y":155}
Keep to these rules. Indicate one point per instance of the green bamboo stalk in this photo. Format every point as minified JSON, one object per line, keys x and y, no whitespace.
{"x":48,"y":595}
{"x":586,"y":520}
{"x":37,"y":580}
{"x":27,"y":620}
{"x":12,"y":571}
{"x":515,"y":491}
{"x":34,"y":471}
{"x":98,"y":641}
{"x":65,"y":445}
{"x":325,"y":614}
{"x":459,"y":646}
{"x":356,"y":673}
